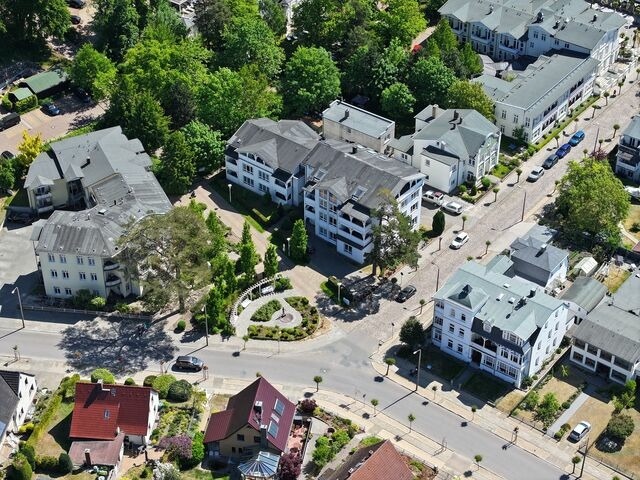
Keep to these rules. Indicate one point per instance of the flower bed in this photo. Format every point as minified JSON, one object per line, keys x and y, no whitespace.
{"x":266,"y":311}
{"x":310,"y":322}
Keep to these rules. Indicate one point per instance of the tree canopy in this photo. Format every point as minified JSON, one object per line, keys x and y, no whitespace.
{"x":92,"y":71}
{"x":34,"y":20}
{"x":207,"y":146}
{"x":465,"y":94}
{"x":116,"y":24}
{"x":412,"y":332}
{"x":402,"y":19}
{"x":177,"y":167}
{"x":397,"y":101}
{"x":430,"y":81}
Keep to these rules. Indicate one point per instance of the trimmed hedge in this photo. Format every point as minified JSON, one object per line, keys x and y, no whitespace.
{"x":266,"y":311}
{"x":102,"y":374}
{"x":180,"y":391}
{"x":162,"y":383}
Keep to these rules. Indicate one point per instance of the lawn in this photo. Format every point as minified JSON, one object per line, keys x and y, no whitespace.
{"x":199,"y":474}
{"x":500,"y":170}
{"x":266,"y":311}
{"x":510,"y":401}
{"x":436,"y":362}
{"x":615,"y":278}
{"x":633,"y":219}
{"x":56,"y":439}
{"x":486,"y":388}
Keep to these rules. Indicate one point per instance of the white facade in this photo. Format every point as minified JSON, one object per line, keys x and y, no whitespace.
{"x":596,"y":359}
{"x":27,"y":389}
{"x":628,"y":158}
{"x":154,"y":405}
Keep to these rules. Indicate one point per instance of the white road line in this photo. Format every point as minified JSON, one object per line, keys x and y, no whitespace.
{"x":27,"y":124}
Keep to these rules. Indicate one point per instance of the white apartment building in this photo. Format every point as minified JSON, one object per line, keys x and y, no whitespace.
{"x":106,"y":179}
{"x":505,"y":326}
{"x":508,"y":29}
{"x":542,"y":94}
{"x":628,"y":158}
{"x":345,"y":184}
{"x":348,"y":123}
{"x":17,"y":394}
{"x":265,"y":157}
{"x":450,"y":147}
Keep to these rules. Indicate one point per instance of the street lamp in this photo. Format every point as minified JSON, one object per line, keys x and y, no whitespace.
{"x":19,"y":303}
{"x":524,"y":203}
{"x":288,"y":246}
{"x":419,"y":352}
{"x":392,"y":325}
{"x":437,"y":275}
{"x":339,"y":285}
{"x":597,"y":135}
{"x":229,"y":185}
{"x":206,"y":325}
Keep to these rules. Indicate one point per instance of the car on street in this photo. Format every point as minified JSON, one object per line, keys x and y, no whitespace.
{"x":460,"y":240}
{"x":82,"y":95}
{"x":406,"y":293}
{"x":9,"y":120}
{"x":187,"y":362}
{"x":76,"y":3}
{"x":24,"y":218}
{"x":453,"y":207}
{"x":576,"y":138}
{"x":535,"y":174}
{"x":563,"y":150}
{"x":51,"y":109}
{"x":580,"y":431}
{"x":7,"y":155}
{"x":437,"y":198}
{"x":550,"y":161}
{"x":76,"y":20}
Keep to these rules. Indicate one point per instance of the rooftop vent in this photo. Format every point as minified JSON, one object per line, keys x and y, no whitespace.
{"x":500,"y":297}
{"x":540,"y":16}
{"x":532,"y":293}
{"x":595,"y":17}
{"x":512,"y":300}
{"x":506,"y":285}
{"x":354,"y":149}
{"x":102,"y":211}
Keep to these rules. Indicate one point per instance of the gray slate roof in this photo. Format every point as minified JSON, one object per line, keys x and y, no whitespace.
{"x":535,"y":252}
{"x":627,"y":296}
{"x":8,"y":399}
{"x":488,"y":289}
{"x":280,"y":145}
{"x":357,"y":118}
{"x":633,"y":129}
{"x":585,"y":292}
{"x":367,"y":169}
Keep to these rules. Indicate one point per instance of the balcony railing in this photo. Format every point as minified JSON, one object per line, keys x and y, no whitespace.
{"x":485,"y":343}
{"x":108,"y":266}
{"x":112,"y":281}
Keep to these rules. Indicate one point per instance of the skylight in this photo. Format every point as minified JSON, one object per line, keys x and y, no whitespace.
{"x":279,"y":407}
{"x":273,"y":429}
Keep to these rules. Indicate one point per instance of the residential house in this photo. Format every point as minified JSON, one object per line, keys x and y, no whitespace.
{"x":103,"y":412}
{"x":538,"y":262}
{"x":509,"y":29}
{"x":628,"y":158}
{"x":584,"y":294}
{"x":100,"y":453}
{"x":346,"y":122}
{"x":47,"y":83}
{"x":105,"y":181}
{"x":265,"y":157}
{"x":450,"y":147}
{"x":541,"y":95}
{"x":380,"y":461}
{"x":17,"y":394}
{"x":346,"y":184}
{"x":257,"y":419}
{"x":607,"y":341}
{"x":505,"y":326}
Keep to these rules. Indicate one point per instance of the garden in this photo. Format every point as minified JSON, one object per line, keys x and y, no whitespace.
{"x":266,"y":311}
{"x":434,"y":361}
{"x":487,"y":388}
{"x":311,"y":321}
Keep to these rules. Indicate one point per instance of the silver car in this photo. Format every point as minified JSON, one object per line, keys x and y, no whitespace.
{"x":453,"y":207}
{"x":535,"y":174}
{"x":580,"y":431}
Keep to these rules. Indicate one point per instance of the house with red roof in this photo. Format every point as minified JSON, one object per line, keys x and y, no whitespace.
{"x":257,"y":419}
{"x":102,"y":412}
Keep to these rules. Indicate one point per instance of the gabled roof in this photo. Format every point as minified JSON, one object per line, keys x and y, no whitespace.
{"x":586,"y":292}
{"x":12,"y":379}
{"x":376,"y":462}
{"x":357,"y":119}
{"x":258,"y":405}
{"x":633,"y":129}
{"x":100,"y":410}
{"x":535,"y":252}
{"x":102,"y":452}
{"x":8,"y":404}
{"x":44,"y":81}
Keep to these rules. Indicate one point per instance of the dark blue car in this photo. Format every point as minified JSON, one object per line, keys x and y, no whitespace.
{"x":576,"y":138}
{"x":563,"y":150}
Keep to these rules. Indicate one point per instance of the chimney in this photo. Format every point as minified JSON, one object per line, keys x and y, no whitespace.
{"x":87,"y":457}
{"x":543,"y":247}
{"x":87,"y":162}
{"x":532,"y":293}
{"x":434,"y":111}
{"x":354,"y":149}
{"x":263,"y":436}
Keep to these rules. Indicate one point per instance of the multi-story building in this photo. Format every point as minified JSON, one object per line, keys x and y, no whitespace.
{"x":607,"y":341}
{"x":266,"y":156}
{"x":505,"y":326}
{"x":542,"y":94}
{"x":107,"y":180}
{"x":342,"y":121}
{"x":345,"y":184}
{"x":508,"y":29}
{"x":450,"y":147}
{"x":538,"y":262}
{"x":628,"y":158}
{"x":17,"y":394}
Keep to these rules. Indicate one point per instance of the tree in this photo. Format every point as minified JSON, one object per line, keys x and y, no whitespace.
{"x":464,"y":220}
{"x":390,"y":67}
{"x":626,"y":398}
{"x":180,"y":391}
{"x":7,"y":176}
{"x":274,"y":15}
{"x":423,"y":302}
{"x":438,"y":223}
{"x":217,"y":232}
{"x":375,"y":402}
{"x":299,"y":239}
{"x":412,"y":333}
{"x":179,"y":104}
{"x":29,"y":149}
{"x":249,"y":258}
{"x":487,"y":244}
{"x":246,"y":233}
{"x":290,"y":466}
{"x":251,"y":41}
{"x":397,"y":101}
{"x":465,"y":94}
{"x":518,"y":172}
{"x":495,"y":193}
{"x":547,"y":408}
{"x":245,"y":339}
{"x":211,"y":16}
{"x":394,"y":240}
{"x":92,"y":71}
{"x":477,"y":459}
{"x":32,"y":21}
{"x":411,"y":417}
{"x":102,"y":374}
{"x":177,"y":167}
{"x":20,"y":468}
{"x":616,"y":127}
{"x":557,"y":139}
{"x":402,"y":19}
{"x":29,"y":452}
{"x":470,"y":60}
{"x":271,"y":261}
{"x":437,"y":76}
{"x":163,"y":24}
{"x":606,"y":96}
{"x":166,"y":253}
{"x":207,"y":146}
{"x":575,"y":461}
{"x":317,"y":380}
{"x":620,"y":426}
{"x":389,"y":361}
{"x":592,"y":200}
{"x":116,"y":27}
{"x":310,"y":81}
{"x":227,"y":98}
{"x":474,"y":409}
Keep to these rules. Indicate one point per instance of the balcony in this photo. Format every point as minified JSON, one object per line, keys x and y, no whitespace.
{"x":43,"y":194}
{"x":310,"y":209}
{"x":509,"y":48}
{"x":109,"y":265}
{"x":112,"y":281}
{"x":484,"y":343}
{"x":45,"y":208}
{"x":482,"y":38}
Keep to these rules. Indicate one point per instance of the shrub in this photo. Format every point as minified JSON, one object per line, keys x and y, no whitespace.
{"x":308,"y":405}
{"x":162,"y":383}
{"x":266,"y":311}
{"x":197,"y":453}
{"x":474,"y":190}
{"x":65,"y":465}
{"x":29,"y":453}
{"x":558,"y":434}
{"x":82,"y":299}
{"x":98,"y":303}
{"x":20,"y":469}
{"x":180,"y":391}
{"x":527,"y":382}
{"x":102,"y":374}
{"x":129,"y":381}
{"x":6,"y":103}
{"x":531,"y":400}
{"x":462,"y":189}
{"x":123,"y":307}
{"x":181,"y":326}
{"x":282,"y":283}
{"x":620,"y":426}
{"x":26,"y":428}
{"x":26,"y":104}
{"x":148,"y":380}
{"x":566,"y":404}
{"x":46,"y":463}
{"x":486,"y":183}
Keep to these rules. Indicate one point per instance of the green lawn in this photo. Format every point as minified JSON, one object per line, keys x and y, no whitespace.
{"x":56,"y":439}
{"x":486,"y":388}
{"x":500,"y":170}
{"x":435,"y":362}
{"x":199,"y":474}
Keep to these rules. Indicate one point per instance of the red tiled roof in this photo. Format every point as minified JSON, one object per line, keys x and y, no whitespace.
{"x":98,"y":413}
{"x":241,"y":412}
{"x":377,"y":462}
{"x":102,"y":452}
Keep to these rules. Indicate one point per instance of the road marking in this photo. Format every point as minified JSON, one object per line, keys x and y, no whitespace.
{"x":27,"y":124}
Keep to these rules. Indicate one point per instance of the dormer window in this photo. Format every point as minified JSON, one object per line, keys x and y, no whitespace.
{"x":107,"y":414}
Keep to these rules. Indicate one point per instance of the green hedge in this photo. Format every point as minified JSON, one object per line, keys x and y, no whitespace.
{"x":26,"y":104}
{"x":46,"y":417}
{"x":266,"y":311}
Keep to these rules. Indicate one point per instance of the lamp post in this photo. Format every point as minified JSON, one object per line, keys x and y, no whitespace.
{"x":595,"y":144}
{"x":229,"y":185}
{"x":401,"y":278}
{"x":206,"y":325}
{"x":289,"y":246}
{"x":19,"y":303}
{"x":392,"y":325}
{"x":419,"y":352}
{"x":524,"y":203}
{"x":437,"y":275}
{"x":339,"y":286}
{"x":584,"y":455}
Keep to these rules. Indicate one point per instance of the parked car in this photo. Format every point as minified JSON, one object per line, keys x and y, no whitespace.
{"x":406,"y":293}
{"x":453,"y":207}
{"x":76,"y":3}
{"x":580,"y":431}
{"x":550,"y":161}
{"x":24,"y":218}
{"x":82,"y":95}
{"x":76,"y":20}
{"x":535,"y":174}
{"x":460,"y":240}
{"x":576,"y":138}
{"x":437,"y":198}
{"x":7,"y":155}
{"x":563,"y":150}
{"x":187,"y":362}
{"x":9,"y":121}
{"x":51,"y":109}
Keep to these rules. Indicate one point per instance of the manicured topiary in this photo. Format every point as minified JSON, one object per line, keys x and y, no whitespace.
{"x":129,"y":381}
{"x":148,"y":380}
{"x":180,"y":391}
{"x":162,"y":383}
{"x":65,"y":465}
{"x":102,"y":374}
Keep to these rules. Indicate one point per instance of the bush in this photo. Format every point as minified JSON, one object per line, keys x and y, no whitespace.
{"x":98,"y":303}
{"x":102,"y":374}
{"x":282,"y":283}
{"x":197,"y":453}
{"x":180,"y":391}
{"x":181,"y":326}
{"x":531,"y":400}
{"x":620,"y":426}
{"x":29,"y":453}
{"x":474,"y":190}
{"x":6,"y":103}
{"x":46,"y":463}
{"x":266,"y":311}
{"x":462,"y":189}
{"x":162,"y":383}
{"x":123,"y":307}
{"x":20,"y":469}
{"x":308,"y":406}
{"x":82,"y":299}
{"x":65,"y":465}
{"x":485,"y":182}
{"x":148,"y":380}
{"x":26,"y":428}
{"x":129,"y":381}
{"x":26,"y":104}
{"x":566,"y":404}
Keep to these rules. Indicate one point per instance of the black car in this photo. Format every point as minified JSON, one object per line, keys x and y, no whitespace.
{"x":187,"y":362}
{"x":7,"y":155}
{"x":406,"y":293}
{"x":76,"y":3}
{"x":82,"y":95}
{"x":550,"y":161}
{"x":76,"y":20}
{"x":51,"y":109}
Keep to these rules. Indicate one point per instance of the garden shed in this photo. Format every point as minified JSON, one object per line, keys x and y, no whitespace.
{"x":47,"y":83}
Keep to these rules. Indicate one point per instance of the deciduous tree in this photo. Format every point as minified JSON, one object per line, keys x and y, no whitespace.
{"x":211,"y":16}
{"x":620,"y":426}
{"x":430,"y":80}
{"x":397,"y":101}
{"x":290,"y":466}
{"x":299,"y":239}
{"x":116,"y":27}
{"x":33,"y":20}
{"x":274,"y":14}
{"x":465,"y":94}
{"x":270,"y":261}
{"x":207,"y":145}
{"x":177,"y":167}
{"x":402,"y":19}
{"x":412,"y":333}
{"x":92,"y":71}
